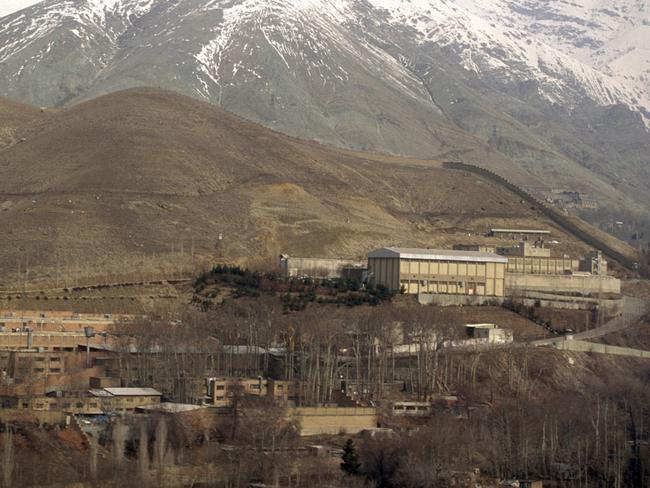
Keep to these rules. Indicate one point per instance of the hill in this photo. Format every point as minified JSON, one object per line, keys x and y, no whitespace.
{"x":556,"y":105}
{"x":147,"y":182}
{"x":12,"y":116}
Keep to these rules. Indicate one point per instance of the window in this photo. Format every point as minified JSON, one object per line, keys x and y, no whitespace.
{"x":255,"y":387}
{"x":220,"y":398}
{"x":55,"y":370}
{"x":39,"y":370}
{"x":130,"y":400}
{"x":93,"y":405}
{"x":221,"y":387}
{"x":80,"y":405}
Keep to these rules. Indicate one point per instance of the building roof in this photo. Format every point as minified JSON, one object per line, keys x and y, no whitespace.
{"x":521,"y":231}
{"x":167,"y":407}
{"x":437,"y":255}
{"x":132,"y":392}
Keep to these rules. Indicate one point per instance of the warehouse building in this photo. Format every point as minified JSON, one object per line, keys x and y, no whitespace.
{"x":438,"y":271}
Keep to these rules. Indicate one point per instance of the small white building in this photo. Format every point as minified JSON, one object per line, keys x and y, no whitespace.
{"x":489,"y":334}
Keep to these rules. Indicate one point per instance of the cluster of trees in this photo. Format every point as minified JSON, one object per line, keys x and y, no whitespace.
{"x":523,"y":412}
{"x":295,"y":293}
{"x":593,"y":439}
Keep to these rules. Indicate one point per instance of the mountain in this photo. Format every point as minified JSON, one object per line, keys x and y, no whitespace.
{"x":539,"y":90}
{"x":146,"y":181}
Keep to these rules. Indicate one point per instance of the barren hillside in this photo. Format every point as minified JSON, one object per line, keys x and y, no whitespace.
{"x":12,"y":116}
{"x":149,"y":181}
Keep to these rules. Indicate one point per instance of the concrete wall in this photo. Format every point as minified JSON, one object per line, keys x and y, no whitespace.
{"x":333,"y":420}
{"x":456,"y":300}
{"x":562,"y":283}
{"x":584,"y":346}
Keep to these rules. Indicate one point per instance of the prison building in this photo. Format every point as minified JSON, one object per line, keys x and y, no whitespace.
{"x":533,"y":258}
{"x":438,"y":271}
{"x":520,"y":234}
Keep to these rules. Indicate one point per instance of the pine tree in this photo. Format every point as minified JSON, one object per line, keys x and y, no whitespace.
{"x":350,"y":464}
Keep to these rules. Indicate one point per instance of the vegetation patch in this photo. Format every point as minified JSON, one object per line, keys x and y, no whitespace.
{"x":224,"y":281}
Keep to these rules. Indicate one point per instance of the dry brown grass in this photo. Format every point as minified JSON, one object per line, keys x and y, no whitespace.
{"x":141,"y":184}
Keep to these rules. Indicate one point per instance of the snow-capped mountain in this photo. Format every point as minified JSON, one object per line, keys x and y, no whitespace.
{"x":552,"y":85}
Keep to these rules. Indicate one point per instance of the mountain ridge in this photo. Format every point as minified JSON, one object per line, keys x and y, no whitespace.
{"x":422,"y":79}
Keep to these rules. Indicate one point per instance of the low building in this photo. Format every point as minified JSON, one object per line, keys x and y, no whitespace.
{"x":292,"y":267}
{"x":411,"y":409}
{"x":71,"y":402}
{"x":438,"y":271}
{"x":125,"y":400}
{"x":489,"y":333}
{"x":520,"y":234}
{"x":534,"y":258}
{"x":222,"y":391}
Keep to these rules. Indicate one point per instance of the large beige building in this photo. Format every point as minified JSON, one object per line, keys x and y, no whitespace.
{"x":438,"y":271}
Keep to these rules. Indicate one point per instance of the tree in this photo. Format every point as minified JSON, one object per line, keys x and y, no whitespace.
{"x":350,"y":464}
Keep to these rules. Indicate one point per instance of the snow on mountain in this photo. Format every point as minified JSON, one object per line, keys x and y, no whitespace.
{"x":503,"y":38}
{"x":563,"y":46}
{"x":541,"y":83}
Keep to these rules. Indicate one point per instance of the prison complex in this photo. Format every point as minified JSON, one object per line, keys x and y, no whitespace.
{"x":438,"y":271}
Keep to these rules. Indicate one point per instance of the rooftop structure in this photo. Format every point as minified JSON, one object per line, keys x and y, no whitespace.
{"x":520,"y":234}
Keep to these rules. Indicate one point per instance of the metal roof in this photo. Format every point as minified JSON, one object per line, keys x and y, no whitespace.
{"x":437,"y":255}
{"x":133,"y":392}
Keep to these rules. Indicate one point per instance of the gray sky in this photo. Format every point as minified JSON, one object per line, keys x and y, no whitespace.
{"x":9,"y":6}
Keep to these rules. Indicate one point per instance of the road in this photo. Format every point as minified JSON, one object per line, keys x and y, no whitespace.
{"x":633,"y":310}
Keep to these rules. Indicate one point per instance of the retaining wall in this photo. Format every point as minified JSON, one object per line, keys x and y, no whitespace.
{"x":591,"y":284}
{"x":584,"y":346}
{"x":457,"y":300}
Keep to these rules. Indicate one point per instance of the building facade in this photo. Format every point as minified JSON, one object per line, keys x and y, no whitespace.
{"x":438,"y":271}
